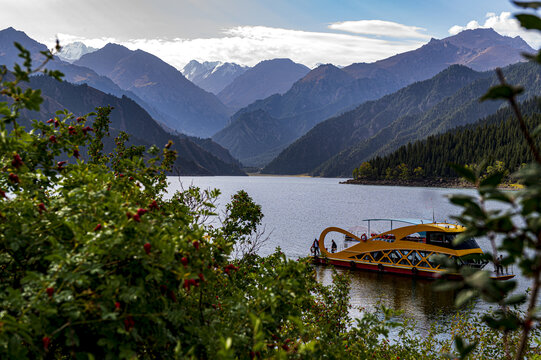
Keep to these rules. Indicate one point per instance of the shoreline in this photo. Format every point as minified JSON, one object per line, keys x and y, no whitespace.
{"x":436,"y":183}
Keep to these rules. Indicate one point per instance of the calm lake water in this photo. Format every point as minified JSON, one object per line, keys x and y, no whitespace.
{"x":297,"y":209}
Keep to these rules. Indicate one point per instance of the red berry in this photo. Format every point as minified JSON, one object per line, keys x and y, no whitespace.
{"x":46,"y":341}
{"x":60,"y":164}
{"x":147,"y":246}
{"x":172,"y":296}
{"x":201,"y":276}
{"x":86,"y":129}
{"x":129,"y":323}
{"x":184,"y":261}
{"x":153,"y":205}
{"x":14,"y":178}
{"x":71,"y":130}
{"x":80,"y":119}
{"x":56,"y":123}
{"x":52,"y":139}
{"x":137,"y":218}
{"x":129,"y":215}
{"x":50,"y":291}
{"x":98,"y":227}
{"x":17,"y":162}
{"x":3,"y":194}
{"x":117,"y":305}
{"x":76,"y":153}
{"x":41,"y":207}
{"x":187,"y":284}
{"x":195,"y":244}
{"x":50,"y":121}
{"x":141,"y":211}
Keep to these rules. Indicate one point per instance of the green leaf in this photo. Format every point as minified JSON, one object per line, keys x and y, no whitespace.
{"x":528,"y":21}
{"x":465,"y":296}
{"x":464,"y":172}
{"x":502,"y":92}
{"x":516,"y":299}
{"x":528,"y":4}
{"x":479,"y":279}
{"x":492,"y":181}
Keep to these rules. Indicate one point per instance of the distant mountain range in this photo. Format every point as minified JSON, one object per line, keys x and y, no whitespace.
{"x":184,"y":106}
{"x":212,"y":76}
{"x":266,"y":78}
{"x":197,"y":156}
{"x":128,"y":116}
{"x":337,"y":145}
{"x":73,"y":51}
{"x":328,"y":90}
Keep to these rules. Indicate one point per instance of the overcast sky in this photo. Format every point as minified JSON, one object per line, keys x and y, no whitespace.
{"x":248,"y":31}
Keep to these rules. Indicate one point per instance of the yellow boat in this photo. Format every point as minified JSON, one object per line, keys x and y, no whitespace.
{"x":404,"y":250}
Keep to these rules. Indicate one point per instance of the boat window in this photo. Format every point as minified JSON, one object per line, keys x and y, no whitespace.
{"x":437,"y":238}
{"x":423,"y":253}
{"x":385,"y":259}
{"x":405,"y":252}
{"x":377,"y":255}
{"x":367,"y":257}
{"x":404,"y":262}
{"x":423,"y":264}
{"x":468,"y":244}
{"x":414,"y":258}
{"x":395,"y":256}
{"x":432,"y":262}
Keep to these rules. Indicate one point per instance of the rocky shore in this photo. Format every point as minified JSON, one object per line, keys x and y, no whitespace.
{"x":439,"y":182}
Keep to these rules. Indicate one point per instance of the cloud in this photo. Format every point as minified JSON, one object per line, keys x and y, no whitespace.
{"x":504,"y":24}
{"x":380,"y":28}
{"x":249,"y":45}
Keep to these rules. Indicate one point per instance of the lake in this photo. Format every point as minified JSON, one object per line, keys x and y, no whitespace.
{"x":297,"y":209}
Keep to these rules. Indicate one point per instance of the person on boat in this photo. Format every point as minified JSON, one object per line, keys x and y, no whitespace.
{"x":315,"y":245}
{"x":333,"y":246}
{"x":499,"y":267}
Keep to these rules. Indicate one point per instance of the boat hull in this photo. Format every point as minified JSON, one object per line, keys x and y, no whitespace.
{"x":406,"y":271}
{"x":390,"y":269}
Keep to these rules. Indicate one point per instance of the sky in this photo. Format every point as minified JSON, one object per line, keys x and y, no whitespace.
{"x":246,"y":32}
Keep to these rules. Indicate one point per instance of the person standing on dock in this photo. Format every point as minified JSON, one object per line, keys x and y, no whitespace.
{"x":315,"y":245}
{"x":333,"y":247}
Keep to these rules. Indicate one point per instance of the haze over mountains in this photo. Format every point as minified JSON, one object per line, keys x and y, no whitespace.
{"x":184,"y":106}
{"x":266,"y":78}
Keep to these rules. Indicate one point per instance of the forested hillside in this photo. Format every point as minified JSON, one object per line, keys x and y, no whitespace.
{"x":496,"y":139}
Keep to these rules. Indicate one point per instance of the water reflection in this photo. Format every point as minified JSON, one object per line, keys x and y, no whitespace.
{"x":415,"y":296}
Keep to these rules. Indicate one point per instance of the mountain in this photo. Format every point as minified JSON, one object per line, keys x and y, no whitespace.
{"x":321,"y":94}
{"x":495,"y":138}
{"x":186,"y":107}
{"x":266,"y":78}
{"x":73,"y":51}
{"x":9,"y":55}
{"x":328,"y":90}
{"x":212,"y":76}
{"x":128,"y":116}
{"x":335,"y":146}
{"x":479,"y":49}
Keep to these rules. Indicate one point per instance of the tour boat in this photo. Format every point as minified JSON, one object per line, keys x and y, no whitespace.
{"x":406,"y":250}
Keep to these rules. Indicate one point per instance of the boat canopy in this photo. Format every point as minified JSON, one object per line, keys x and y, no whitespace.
{"x":407,"y":221}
